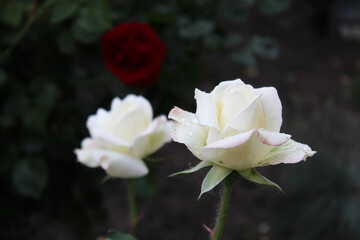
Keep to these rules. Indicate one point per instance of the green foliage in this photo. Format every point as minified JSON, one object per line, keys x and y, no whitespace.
{"x":12,"y":13}
{"x":322,"y":197}
{"x":264,"y":47}
{"x":66,"y":42}
{"x":273,"y":6}
{"x":29,"y":177}
{"x":63,"y":10}
{"x":114,"y":235}
{"x":3,"y":76}
{"x":52,"y":77}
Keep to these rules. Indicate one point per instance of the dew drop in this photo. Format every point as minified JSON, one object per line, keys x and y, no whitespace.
{"x":190,"y":133}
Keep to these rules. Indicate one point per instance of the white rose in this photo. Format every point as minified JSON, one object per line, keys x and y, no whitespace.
{"x":123,"y":136}
{"x":237,"y":127}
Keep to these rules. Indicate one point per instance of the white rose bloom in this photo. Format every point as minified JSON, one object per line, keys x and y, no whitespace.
{"x":236,"y":127}
{"x":123,"y":136}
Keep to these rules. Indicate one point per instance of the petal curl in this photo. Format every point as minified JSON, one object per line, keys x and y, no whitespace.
{"x":244,"y":150}
{"x":206,"y":111}
{"x":188,"y":131}
{"x":140,"y":101}
{"x":102,"y":135}
{"x":154,"y":137}
{"x":272,"y":109}
{"x":291,"y":152}
{"x":122,"y":166}
{"x":85,"y":156}
{"x":247,"y":118}
{"x":131,"y":125}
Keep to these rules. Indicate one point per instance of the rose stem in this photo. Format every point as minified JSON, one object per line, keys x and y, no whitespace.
{"x":224,"y":204}
{"x":132,"y":204}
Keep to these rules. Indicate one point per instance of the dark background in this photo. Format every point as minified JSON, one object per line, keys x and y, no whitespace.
{"x":54,"y":78}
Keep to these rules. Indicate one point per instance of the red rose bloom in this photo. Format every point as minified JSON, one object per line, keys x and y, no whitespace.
{"x":133,"y":53}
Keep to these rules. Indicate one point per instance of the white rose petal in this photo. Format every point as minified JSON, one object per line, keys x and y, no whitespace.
{"x":123,"y":136}
{"x":239,"y":128}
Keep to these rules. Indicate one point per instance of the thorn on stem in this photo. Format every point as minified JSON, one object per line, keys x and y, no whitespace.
{"x":208,"y":229}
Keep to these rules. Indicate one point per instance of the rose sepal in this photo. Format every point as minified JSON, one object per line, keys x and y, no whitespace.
{"x":253,"y":176}
{"x":213,"y":178}
{"x":199,"y":166}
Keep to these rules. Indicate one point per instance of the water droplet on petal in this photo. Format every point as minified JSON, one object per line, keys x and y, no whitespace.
{"x":190,"y":133}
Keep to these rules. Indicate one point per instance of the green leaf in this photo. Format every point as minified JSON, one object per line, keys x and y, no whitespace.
{"x":194,"y":30}
{"x":213,"y":178}
{"x":12,"y":13}
{"x":201,"y":165}
{"x":63,"y":10}
{"x":244,"y":57}
{"x":29,"y":177}
{"x":273,"y":6}
{"x":3,"y":76}
{"x":95,"y":18}
{"x":265,"y":47}
{"x":66,"y":43}
{"x":236,"y":13}
{"x":114,"y":235}
{"x":232,"y":40}
{"x":253,"y":176}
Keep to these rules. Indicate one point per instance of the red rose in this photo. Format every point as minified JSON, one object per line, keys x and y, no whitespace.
{"x":133,"y":53}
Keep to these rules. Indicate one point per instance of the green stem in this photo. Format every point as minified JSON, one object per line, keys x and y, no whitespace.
{"x":224,"y":205}
{"x":132,"y":203}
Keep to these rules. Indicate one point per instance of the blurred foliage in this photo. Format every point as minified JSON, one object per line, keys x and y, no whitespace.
{"x":52,"y":77}
{"x":113,"y":235}
{"x":323,"y":195}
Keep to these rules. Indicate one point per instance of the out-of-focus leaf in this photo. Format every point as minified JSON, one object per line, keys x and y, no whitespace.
{"x":29,"y":177}
{"x":16,"y":105}
{"x":114,"y":235}
{"x":273,"y":6}
{"x":44,"y":93}
{"x":35,"y":119}
{"x":33,"y":140}
{"x":162,"y":18}
{"x":95,"y":17}
{"x":92,"y":21}
{"x":83,"y":35}
{"x":265,"y":47}
{"x":12,"y":13}
{"x":244,"y":57}
{"x":236,"y":13}
{"x":3,"y":76}
{"x":144,"y":187}
{"x":194,"y":30}
{"x":63,"y":10}
{"x":66,"y":42}
{"x":247,"y":2}
{"x":232,"y":40}
{"x":212,"y":41}
{"x":6,"y":121}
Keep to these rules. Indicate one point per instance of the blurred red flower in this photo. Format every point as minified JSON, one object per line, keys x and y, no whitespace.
{"x":133,"y":53}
